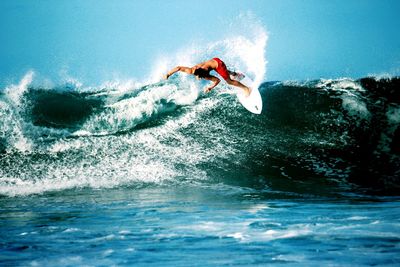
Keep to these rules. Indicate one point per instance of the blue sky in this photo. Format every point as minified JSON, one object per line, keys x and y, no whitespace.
{"x":95,"y":41}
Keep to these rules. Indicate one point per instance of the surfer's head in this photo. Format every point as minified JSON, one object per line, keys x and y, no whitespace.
{"x":201,"y":73}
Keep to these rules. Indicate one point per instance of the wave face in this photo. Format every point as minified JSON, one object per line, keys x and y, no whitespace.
{"x":344,"y":129}
{"x":340,"y":130}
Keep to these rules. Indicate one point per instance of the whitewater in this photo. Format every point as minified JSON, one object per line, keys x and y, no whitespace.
{"x":154,"y":172}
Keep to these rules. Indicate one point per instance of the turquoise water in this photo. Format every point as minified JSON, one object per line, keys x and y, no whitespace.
{"x":191,"y":225}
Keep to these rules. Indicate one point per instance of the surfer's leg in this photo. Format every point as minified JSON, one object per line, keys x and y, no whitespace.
{"x":239,"y":84}
{"x":178,"y":68}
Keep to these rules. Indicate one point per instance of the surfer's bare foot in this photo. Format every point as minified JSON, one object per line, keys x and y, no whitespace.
{"x":166,"y":76}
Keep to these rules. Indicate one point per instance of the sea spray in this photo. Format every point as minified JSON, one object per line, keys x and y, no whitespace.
{"x":13,"y":126}
{"x":242,"y":49}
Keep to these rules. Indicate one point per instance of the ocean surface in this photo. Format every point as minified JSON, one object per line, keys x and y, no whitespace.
{"x":161,"y":174}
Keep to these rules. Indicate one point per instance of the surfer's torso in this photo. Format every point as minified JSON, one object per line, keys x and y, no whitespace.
{"x":214,"y":64}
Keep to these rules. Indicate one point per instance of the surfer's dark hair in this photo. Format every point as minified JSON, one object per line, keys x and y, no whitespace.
{"x":201,"y":73}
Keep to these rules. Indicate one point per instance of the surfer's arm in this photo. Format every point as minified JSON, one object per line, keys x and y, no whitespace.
{"x":215,"y":81}
{"x":178,"y":68}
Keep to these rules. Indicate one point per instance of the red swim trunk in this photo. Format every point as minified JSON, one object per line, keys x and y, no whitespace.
{"x":221,"y":69}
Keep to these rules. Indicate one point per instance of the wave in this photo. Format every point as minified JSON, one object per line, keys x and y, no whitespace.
{"x":349,"y":128}
{"x":341,"y":130}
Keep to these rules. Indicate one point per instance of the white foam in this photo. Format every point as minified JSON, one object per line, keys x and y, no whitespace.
{"x":13,"y":126}
{"x":357,"y":218}
{"x":394,"y":72}
{"x":126,"y":114}
{"x":257,"y":208}
{"x":14,"y":92}
{"x":238,"y":235}
{"x":355,"y":106}
{"x":350,"y":95}
{"x":69,"y":80}
{"x":243,"y":232}
{"x":286,"y":233}
{"x":393,"y":117}
{"x":289,"y":258}
{"x":71,"y":230}
{"x":107,"y":252}
{"x":393,"y":114}
{"x":342,"y":84}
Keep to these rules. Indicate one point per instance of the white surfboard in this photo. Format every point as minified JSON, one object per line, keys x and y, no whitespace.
{"x":253,"y":102}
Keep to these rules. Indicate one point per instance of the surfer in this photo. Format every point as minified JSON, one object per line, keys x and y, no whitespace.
{"x":202,"y":71}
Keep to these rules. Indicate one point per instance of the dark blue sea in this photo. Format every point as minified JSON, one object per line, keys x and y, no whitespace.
{"x":160,"y":174}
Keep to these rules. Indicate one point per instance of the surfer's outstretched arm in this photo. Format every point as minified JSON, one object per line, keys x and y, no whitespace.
{"x":178,"y":68}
